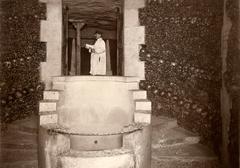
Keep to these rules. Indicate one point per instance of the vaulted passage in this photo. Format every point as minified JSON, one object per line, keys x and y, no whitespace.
{"x":81,"y":20}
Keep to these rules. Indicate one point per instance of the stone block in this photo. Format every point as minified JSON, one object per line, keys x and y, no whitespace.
{"x":49,"y":31}
{"x":134,"y":4}
{"x":50,"y":146}
{"x":139,"y":94}
{"x":141,"y":70}
{"x":51,"y":95}
{"x":142,"y":117}
{"x":131,"y":18}
{"x":44,"y":76}
{"x":140,"y":142}
{"x":54,"y":11}
{"x":43,"y":30}
{"x":48,"y":119}
{"x":133,"y":86}
{"x":143,"y":105}
{"x":132,"y":65}
{"x":134,"y":35}
{"x":47,"y":106}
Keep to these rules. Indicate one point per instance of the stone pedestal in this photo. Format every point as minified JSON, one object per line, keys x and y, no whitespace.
{"x":98,"y":123}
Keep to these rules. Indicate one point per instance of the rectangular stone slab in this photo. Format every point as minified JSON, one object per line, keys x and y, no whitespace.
{"x":93,"y":143}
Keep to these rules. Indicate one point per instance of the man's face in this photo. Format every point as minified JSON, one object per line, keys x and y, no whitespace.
{"x":97,"y":36}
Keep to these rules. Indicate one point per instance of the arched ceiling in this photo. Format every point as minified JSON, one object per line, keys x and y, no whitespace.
{"x":95,"y":13}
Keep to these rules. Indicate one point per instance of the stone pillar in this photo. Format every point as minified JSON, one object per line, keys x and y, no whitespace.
{"x":225,"y":98}
{"x":108,"y":59}
{"x":51,"y":33}
{"x":73,"y":68}
{"x":78,"y":25}
{"x":134,"y":36}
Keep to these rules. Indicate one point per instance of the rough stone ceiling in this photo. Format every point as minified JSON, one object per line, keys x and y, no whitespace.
{"x":95,"y":13}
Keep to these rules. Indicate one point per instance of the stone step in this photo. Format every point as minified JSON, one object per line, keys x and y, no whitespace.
{"x":47,"y":105}
{"x":143,"y":104}
{"x":98,"y":159}
{"x":133,"y":86}
{"x":21,"y":164}
{"x":173,"y":136}
{"x":184,"y":156}
{"x":51,"y":95}
{"x":48,"y":117}
{"x":139,"y":94}
{"x":140,"y":117}
{"x":15,"y":155}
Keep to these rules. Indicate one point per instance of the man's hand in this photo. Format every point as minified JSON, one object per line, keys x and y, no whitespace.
{"x":88,"y":46}
{"x":92,"y":50}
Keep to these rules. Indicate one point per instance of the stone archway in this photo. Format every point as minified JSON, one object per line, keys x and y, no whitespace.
{"x":51,"y":33}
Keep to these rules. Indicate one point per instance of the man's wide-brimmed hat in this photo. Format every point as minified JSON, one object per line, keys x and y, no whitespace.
{"x":98,"y":32}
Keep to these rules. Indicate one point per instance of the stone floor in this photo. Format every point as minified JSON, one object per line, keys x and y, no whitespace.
{"x":172,"y":146}
{"x":19,"y":144}
{"x":175,"y":147}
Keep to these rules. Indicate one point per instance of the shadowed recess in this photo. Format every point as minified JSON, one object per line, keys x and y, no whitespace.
{"x":95,"y":13}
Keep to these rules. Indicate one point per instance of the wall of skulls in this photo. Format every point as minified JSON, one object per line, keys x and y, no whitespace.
{"x":183,"y":63}
{"x":21,"y":54}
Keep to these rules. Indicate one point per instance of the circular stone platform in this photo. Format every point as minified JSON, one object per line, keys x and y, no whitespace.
{"x":100,"y":104}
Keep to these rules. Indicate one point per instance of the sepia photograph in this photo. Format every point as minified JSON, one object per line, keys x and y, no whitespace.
{"x":119,"y":83}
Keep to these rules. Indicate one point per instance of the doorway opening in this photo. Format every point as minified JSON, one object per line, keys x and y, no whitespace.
{"x":81,"y":19}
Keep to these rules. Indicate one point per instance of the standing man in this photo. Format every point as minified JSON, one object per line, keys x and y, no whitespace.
{"x":98,"y":55}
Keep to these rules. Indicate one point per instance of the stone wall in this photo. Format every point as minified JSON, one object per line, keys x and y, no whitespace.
{"x":183,"y":63}
{"x":21,"y":54}
{"x":232,"y":80}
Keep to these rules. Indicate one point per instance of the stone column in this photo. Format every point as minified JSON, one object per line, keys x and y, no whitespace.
{"x":51,"y":33}
{"x":225,"y":97}
{"x":73,"y":68}
{"x":108,"y":59}
{"x":78,"y":25}
{"x":134,"y":36}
